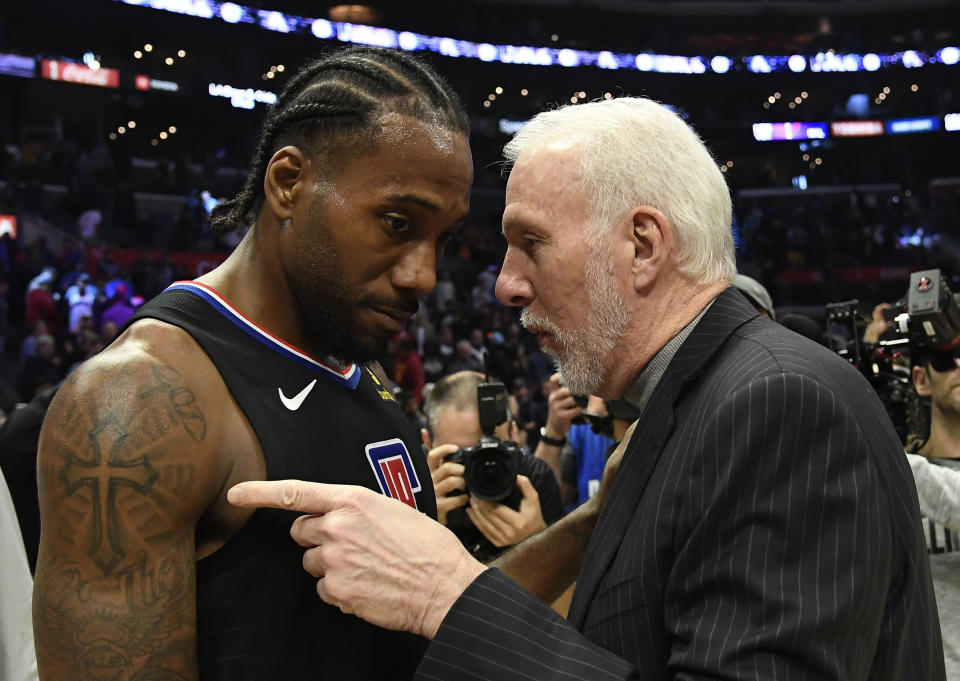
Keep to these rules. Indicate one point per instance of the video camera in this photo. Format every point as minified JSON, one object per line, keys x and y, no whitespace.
{"x":490,"y":466}
{"x":931,"y":319}
{"x":926,"y":319}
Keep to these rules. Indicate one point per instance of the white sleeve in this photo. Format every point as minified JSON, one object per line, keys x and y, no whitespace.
{"x":18,"y":661}
{"x":938,"y":488}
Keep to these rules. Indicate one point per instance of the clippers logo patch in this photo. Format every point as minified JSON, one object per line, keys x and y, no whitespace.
{"x":394,"y":470}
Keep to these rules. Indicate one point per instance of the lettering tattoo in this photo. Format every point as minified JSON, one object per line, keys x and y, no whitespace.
{"x":98,"y":637}
{"x":181,"y":400}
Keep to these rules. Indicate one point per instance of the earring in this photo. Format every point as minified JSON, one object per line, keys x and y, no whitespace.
{"x":286,"y":223}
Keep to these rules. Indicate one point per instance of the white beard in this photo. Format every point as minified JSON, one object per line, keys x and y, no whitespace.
{"x":584,"y":353}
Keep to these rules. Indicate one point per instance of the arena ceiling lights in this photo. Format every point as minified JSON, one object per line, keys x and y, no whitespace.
{"x":271,"y":20}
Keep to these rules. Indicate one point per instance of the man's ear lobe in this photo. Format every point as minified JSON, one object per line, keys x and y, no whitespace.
{"x":284,"y":179}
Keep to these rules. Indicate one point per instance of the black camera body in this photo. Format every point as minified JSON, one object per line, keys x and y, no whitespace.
{"x":490,"y":470}
{"x":489,"y":467}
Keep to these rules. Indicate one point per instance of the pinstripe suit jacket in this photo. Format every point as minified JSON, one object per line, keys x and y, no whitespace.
{"x":763,"y":525}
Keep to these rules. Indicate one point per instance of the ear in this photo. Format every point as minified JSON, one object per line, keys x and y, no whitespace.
{"x":426,"y":439}
{"x":652,"y":241}
{"x":289,"y":174}
{"x":921,"y":381}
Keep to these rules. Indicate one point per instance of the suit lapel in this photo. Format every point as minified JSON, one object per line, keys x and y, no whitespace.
{"x":729,"y":311}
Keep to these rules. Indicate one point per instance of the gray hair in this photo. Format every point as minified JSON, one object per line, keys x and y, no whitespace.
{"x":634,"y":151}
{"x":456,"y":391}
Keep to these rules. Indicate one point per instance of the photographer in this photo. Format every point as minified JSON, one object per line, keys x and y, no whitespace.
{"x":484,"y":527}
{"x":936,"y":470}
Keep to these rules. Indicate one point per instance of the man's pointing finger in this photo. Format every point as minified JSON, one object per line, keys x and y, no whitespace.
{"x":293,"y":495}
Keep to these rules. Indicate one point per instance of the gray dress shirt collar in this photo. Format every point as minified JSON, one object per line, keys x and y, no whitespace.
{"x":639,"y":392}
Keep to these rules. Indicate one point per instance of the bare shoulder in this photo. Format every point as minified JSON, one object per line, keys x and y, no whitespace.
{"x":153,"y":399}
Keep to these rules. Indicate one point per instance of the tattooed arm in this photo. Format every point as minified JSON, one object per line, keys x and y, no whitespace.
{"x":127,"y":465}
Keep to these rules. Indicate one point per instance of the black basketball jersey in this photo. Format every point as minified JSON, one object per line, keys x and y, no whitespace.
{"x":259,"y":617}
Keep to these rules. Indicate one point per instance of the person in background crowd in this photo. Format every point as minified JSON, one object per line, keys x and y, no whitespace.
{"x":19,"y":436}
{"x":464,"y":359}
{"x":80,"y":299}
{"x":119,"y":310}
{"x":446,"y":292}
{"x":756,"y":293}
{"x":108,"y":331}
{"x":408,"y":371}
{"x":936,"y":470}
{"x":485,"y":528}
{"x":28,"y":347}
{"x":42,"y":370}
{"x":40,"y":305}
{"x":478,"y":351}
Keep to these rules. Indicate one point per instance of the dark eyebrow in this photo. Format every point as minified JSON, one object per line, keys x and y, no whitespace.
{"x":427,"y":205}
{"x":413,"y":198}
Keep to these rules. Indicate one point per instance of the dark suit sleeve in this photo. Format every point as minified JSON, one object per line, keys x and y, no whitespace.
{"x":786,"y":557}
{"x":496,"y":630}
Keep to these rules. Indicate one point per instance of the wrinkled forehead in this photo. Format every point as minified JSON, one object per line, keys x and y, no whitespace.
{"x":545,"y":182}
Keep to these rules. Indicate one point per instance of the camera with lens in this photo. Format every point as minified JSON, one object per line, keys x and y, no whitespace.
{"x":926,"y":320}
{"x":490,"y":466}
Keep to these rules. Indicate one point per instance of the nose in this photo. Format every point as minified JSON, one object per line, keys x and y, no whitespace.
{"x":416,"y":272}
{"x":513,"y":288}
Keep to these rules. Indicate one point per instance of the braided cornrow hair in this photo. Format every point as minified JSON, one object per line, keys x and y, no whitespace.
{"x":341,"y":95}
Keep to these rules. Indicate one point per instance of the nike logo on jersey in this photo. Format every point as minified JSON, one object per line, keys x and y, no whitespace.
{"x":293,"y":403}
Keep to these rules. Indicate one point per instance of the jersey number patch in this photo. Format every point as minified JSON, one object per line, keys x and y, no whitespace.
{"x":394,"y":470}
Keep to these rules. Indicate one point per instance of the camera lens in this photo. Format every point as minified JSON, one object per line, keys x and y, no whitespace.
{"x":491,"y":473}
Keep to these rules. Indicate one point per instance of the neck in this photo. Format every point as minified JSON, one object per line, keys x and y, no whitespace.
{"x":673,"y":303}
{"x":252,"y":279}
{"x":944,"y":440}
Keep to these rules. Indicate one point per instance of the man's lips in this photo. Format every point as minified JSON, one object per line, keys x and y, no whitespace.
{"x":402,"y":315}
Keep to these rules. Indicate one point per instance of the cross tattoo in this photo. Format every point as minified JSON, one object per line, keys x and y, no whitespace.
{"x":103,"y":477}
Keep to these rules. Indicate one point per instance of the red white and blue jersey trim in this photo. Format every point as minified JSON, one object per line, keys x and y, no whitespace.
{"x":348,"y":377}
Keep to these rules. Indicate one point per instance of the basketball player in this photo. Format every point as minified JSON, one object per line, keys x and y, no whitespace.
{"x":256,"y":370}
